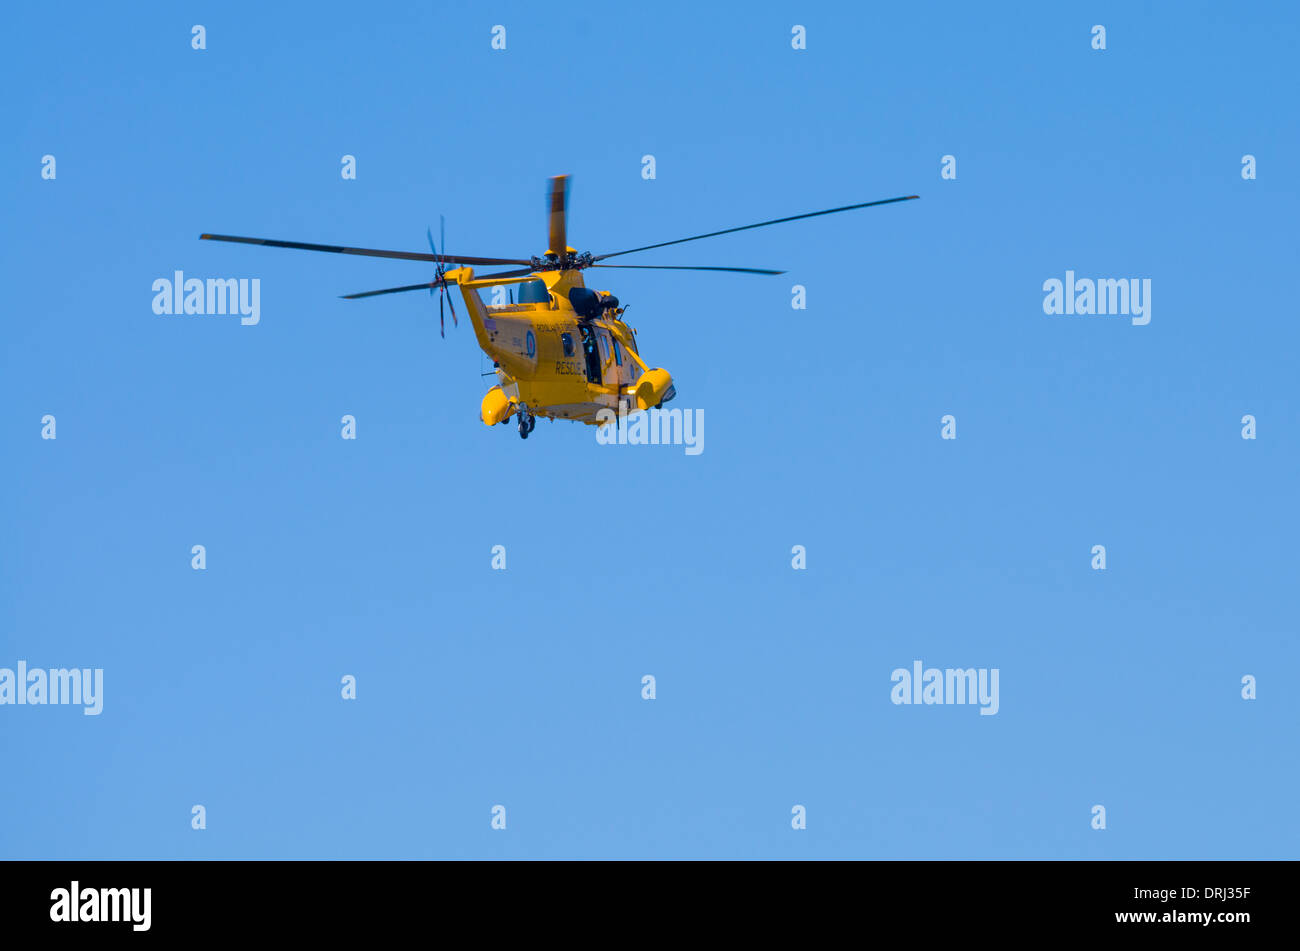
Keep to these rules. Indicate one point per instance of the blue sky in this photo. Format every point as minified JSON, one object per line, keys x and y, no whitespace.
{"x":522,"y":687}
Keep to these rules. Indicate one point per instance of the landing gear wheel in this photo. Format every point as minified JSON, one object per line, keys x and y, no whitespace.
{"x":532,"y":423}
{"x":523,"y":426}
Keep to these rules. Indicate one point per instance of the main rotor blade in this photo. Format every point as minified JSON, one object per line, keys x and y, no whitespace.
{"x":393,"y":290}
{"x":761,"y":224}
{"x":683,"y":267}
{"x":557,"y":232}
{"x":519,"y":272}
{"x":436,"y":284}
{"x":367,"y":252}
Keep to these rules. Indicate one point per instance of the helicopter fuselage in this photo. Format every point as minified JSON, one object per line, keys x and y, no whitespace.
{"x":552,"y":361}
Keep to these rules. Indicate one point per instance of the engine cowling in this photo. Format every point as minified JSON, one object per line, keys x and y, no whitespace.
{"x":654,"y":387}
{"x":495,"y":407}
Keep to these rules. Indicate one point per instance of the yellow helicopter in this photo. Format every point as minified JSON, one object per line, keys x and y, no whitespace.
{"x":561,"y":350}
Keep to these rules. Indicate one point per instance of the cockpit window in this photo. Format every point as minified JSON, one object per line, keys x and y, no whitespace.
{"x":534,"y":292}
{"x":618,"y":355}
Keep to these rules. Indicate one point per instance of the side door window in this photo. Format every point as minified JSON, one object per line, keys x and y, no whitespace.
{"x":590,"y":355}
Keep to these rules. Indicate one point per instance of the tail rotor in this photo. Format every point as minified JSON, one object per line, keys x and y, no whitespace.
{"x":439,"y":280}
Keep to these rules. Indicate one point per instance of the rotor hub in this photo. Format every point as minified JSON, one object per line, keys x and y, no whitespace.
{"x":568,"y":262}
